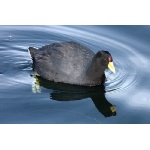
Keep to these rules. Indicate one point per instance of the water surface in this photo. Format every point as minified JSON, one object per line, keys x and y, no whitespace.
{"x":128,"y":89}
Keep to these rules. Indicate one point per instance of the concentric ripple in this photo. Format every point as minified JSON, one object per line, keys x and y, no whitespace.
{"x":125,"y":56}
{"x":131,"y":79}
{"x":127,"y":75}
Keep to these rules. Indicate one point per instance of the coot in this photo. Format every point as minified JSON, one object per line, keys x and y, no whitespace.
{"x":71,"y":63}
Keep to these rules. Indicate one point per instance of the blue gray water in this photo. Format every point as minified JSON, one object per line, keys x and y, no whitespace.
{"x":128,"y":89}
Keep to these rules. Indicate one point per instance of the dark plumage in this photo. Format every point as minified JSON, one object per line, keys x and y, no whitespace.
{"x":71,"y":63}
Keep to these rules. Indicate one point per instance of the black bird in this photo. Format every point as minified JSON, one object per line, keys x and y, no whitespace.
{"x":71,"y":63}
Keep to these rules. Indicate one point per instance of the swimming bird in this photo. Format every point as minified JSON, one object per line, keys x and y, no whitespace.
{"x":71,"y":63}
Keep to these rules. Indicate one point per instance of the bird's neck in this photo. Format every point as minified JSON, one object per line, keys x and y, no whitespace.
{"x":95,"y":71}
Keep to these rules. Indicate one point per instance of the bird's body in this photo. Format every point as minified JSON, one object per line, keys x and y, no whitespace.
{"x":68,"y":62}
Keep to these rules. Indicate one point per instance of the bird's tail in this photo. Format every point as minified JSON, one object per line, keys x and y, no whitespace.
{"x":32,"y":51}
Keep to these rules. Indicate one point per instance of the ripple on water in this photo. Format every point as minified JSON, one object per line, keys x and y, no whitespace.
{"x":128,"y":72}
{"x":126,"y":77}
{"x":16,"y":67}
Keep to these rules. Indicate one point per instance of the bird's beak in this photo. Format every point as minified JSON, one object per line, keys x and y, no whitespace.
{"x":111,"y":67}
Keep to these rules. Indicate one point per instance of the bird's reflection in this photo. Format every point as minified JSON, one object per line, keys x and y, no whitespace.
{"x":66,"y":92}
